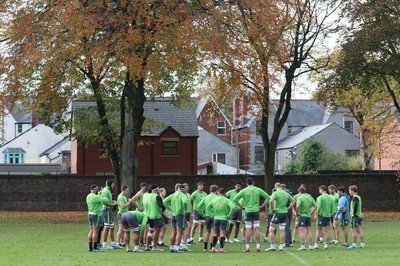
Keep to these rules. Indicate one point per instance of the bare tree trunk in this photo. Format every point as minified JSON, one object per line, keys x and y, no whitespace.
{"x":134,"y":90}
{"x":365,"y":150}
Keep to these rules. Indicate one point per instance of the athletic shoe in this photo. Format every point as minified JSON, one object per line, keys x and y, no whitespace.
{"x":114,"y":246}
{"x":105,"y":246}
{"x":246,"y":250}
{"x":122,"y":244}
{"x":345,"y":245}
{"x":129,"y":250}
{"x":326,"y":246}
{"x":184,"y":248}
{"x":265,"y":240}
{"x":229,"y":241}
{"x":97,"y":250}
{"x":291,"y":245}
{"x":205,"y":250}
{"x":335,"y":242}
{"x":190,"y":241}
{"x":251,"y":240}
{"x":362,"y":246}
{"x":201,"y":240}
{"x":258,"y":250}
{"x":243,"y":241}
{"x":315,"y":247}
{"x":280,"y":248}
{"x":147,"y":248}
{"x":137,"y":250}
{"x":301,"y":249}
{"x":178,"y":250}
{"x":162,"y":245}
{"x":157,"y":249}
{"x":171,"y":250}
{"x":270,"y":249}
{"x":352,"y":246}
{"x":293,"y":241}
{"x":213,"y":250}
{"x":236,"y":240}
{"x":221,"y":250}
{"x":117,"y":246}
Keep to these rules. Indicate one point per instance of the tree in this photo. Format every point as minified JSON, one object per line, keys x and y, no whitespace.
{"x":371,"y":51}
{"x":260,"y":48}
{"x":114,"y":49}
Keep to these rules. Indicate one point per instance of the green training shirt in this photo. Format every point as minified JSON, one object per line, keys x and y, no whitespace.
{"x":142,"y":219}
{"x":203,"y":204}
{"x":94,"y":205}
{"x":251,"y":198}
{"x":359,"y":206}
{"x":325,"y":205}
{"x":106,"y":192}
{"x":281,"y":200}
{"x":335,"y":202}
{"x":188,"y":203}
{"x":231,"y":194}
{"x":122,"y":200}
{"x":197,"y":196}
{"x":176,"y":203}
{"x":306,"y":203}
{"x":151,"y":207}
{"x":221,"y":207}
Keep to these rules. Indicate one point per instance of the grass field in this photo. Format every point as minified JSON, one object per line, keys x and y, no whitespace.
{"x":61,"y":239}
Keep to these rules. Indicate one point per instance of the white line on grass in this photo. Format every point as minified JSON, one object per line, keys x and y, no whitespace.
{"x":303,"y":262}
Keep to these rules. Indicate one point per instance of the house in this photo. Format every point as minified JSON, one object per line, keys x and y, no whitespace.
{"x":37,"y":145}
{"x":14,"y":122}
{"x":212,"y":119}
{"x":211,"y":148}
{"x":303,"y":113}
{"x":387,"y":155}
{"x":332,"y":135}
{"x":169,"y":146}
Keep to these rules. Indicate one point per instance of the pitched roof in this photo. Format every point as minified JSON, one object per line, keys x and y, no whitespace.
{"x":165,"y":113}
{"x":305,"y":113}
{"x":14,"y":150}
{"x":300,"y":136}
{"x":47,"y":151}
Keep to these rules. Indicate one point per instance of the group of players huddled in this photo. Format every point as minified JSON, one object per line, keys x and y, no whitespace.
{"x":220,"y":211}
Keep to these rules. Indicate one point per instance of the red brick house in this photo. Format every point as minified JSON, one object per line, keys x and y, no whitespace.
{"x":169,"y":146}
{"x":211,"y":118}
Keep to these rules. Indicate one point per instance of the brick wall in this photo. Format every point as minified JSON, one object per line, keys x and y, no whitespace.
{"x":67,"y":193}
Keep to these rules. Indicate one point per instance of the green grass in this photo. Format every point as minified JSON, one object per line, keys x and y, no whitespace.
{"x":30,"y":240}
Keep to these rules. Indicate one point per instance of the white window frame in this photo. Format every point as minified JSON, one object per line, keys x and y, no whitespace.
{"x":220,"y":127}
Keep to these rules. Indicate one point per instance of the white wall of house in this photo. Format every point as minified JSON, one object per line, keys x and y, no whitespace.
{"x":9,"y":128}
{"x":34,"y":142}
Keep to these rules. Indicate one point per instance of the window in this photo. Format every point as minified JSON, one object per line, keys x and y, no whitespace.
{"x":169,"y":148}
{"x":258,"y":127}
{"x":221,"y":128}
{"x":259,"y":154}
{"x":352,"y":152}
{"x":14,"y":158}
{"x":219,"y":157}
{"x":348,"y":125}
{"x":19,"y":128}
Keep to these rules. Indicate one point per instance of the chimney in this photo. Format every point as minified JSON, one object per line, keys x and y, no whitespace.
{"x":244,"y":109}
{"x":236,"y":111}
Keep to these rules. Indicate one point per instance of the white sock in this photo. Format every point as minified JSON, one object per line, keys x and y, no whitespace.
{"x":247,"y":246}
{"x":272,"y":246}
{"x":257,"y":245}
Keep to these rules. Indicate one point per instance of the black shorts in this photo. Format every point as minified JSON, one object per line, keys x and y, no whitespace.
{"x":156,"y":223}
{"x":304,"y":222}
{"x":95,"y":220}
{"x":165,"y":220}
{"x":198,"y":217}
{"x":237,"y":215}
{"x":333,"y":218}
{"x":355,"y":221}
{"x":178,"y":221}
{"x":279,"y":218}
{"x":129,"y":220}
{"x":323,"y":221}
{"x":220,"y":225}
{"x":108,"y":217}
{"x":187,"y":216}
{"x":119,"y":218}
{"x":252,"y":216}
{"x":269,"y":218}
{"x":209,"y":222}
{"x":343,"y":222}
